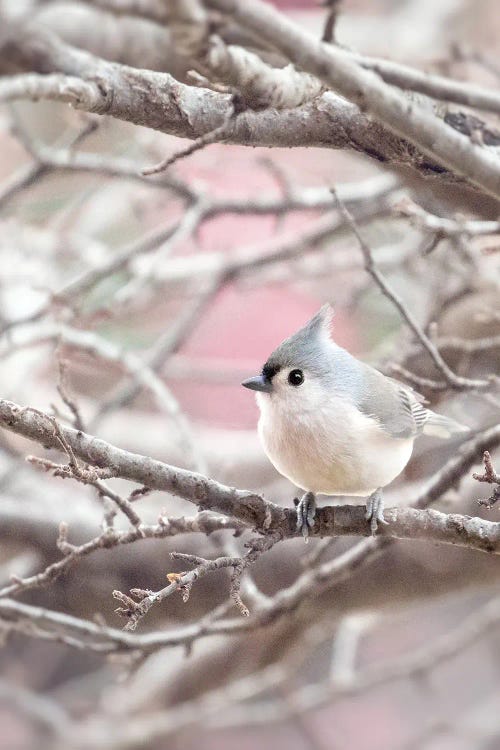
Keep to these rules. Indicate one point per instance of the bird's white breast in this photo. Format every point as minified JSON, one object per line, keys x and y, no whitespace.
{"x":332,"y":449}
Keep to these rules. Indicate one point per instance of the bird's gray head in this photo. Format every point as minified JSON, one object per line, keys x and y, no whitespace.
{"x":300,"y":367}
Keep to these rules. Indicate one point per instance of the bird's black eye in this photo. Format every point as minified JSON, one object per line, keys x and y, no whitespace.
{"x":295,"y":377}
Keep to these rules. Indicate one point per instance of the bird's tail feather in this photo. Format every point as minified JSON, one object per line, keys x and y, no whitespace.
{"x":442,"y":427}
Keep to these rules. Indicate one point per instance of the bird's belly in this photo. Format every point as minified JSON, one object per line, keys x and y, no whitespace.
{"x":356,"y":460}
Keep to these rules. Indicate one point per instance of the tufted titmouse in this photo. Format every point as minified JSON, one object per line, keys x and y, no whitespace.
{"x":335,"y":426}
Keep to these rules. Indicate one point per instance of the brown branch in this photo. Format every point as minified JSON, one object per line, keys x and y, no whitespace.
{"x":69,"y":89}
{"x":84,"y":474}
{"x":140,"y":602}
{"x":300,"y":199}
{"x":21,"y":180}
{"x":435,"y":86}
{"x":217,"y":709}
{"x":245,"y":506}
{"x":159,"y":101}
{"x":212,"y":710}
{"x":154,"y":10}
{"x":217,"y":134}
{"x":163,"y":349}
{"x":200,"y":490}
{"x":404,"y":117}
{"x":265,"y":517}
{"x":138,"y":606}
{"x":403,"y":76}
{"x":68,"y":160}
{"x":42,"y":710}
{"x":414,"y":664}
{"x":417,"y":380}
{"x":237,"y":69}
{"x":204,"y":523}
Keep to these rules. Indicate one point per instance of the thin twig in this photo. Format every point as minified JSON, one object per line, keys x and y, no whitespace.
{"x":63,"y":390}
{"x":491,"y":477}
{"x":216,"y":135}
{"x":332,"y":17}
{"x":455,"y":381}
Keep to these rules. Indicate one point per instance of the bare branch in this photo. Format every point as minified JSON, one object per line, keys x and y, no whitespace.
{"x":99,"y":275}
{"x":63,"y":390}
{"x":455,"y":381}
{"x":416,"y":663}
{"x":155,"y":10}
{"x":246,"y":506}
{"x":57,"y":87}
{"x":402,"y":116}
{"x":491,"y":477}
{"x":445,"y":227}
{"x":332,"y":16}
{"x":204,"y":523}
{"x":435,"y":86}
{"x":159,"y":101}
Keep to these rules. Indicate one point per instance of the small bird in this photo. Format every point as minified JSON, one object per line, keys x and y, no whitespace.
{"x":333,"y":425}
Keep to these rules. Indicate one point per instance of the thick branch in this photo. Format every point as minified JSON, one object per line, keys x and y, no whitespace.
{"x":250,"y":507}
{"x":130,"y":39}
{"x":196,"y":488}
{"x":159,"y":101}
{"x":404,"y":117}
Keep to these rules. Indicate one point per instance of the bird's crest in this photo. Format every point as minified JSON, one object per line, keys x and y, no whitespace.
{"x":321,"y":323}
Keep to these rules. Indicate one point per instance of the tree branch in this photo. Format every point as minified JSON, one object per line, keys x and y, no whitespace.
{"x":159,"y":101}
{"x":435,"y":86}
{"x":69,"y":89}
{"x":491,"y":477}
{"x":453,"y":380}
{"x":249,"y":507}
{"x":402,"y":116}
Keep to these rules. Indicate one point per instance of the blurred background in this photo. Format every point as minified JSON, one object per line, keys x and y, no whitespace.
{"x":160,"y":295}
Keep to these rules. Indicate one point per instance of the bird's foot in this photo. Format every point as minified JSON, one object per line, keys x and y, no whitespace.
{"x":375,"y":510}
{"x":306,"y":511}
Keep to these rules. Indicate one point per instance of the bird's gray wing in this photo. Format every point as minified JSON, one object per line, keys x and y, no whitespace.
{"x":396,"y":408}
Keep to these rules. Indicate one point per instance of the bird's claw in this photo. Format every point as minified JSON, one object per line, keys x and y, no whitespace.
{"x":306,"y":511}
{"x":375,"y":511}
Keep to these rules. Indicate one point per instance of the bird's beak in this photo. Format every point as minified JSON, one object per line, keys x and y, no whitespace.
{"x":258,"y":383}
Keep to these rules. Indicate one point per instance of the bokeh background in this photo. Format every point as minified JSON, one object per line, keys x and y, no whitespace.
{"x":70,"y":200}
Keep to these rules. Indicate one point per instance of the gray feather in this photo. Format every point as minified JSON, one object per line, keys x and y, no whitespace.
{"x":442,"y":427}
{"x":396,"y":407}
{"x":399,"y":409}
{"x":306,"y":349}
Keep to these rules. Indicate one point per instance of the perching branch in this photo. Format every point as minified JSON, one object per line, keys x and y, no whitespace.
{"x":245,"y":506}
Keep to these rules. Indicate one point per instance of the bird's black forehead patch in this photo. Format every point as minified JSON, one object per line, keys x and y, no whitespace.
{"x":270,"y":369}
